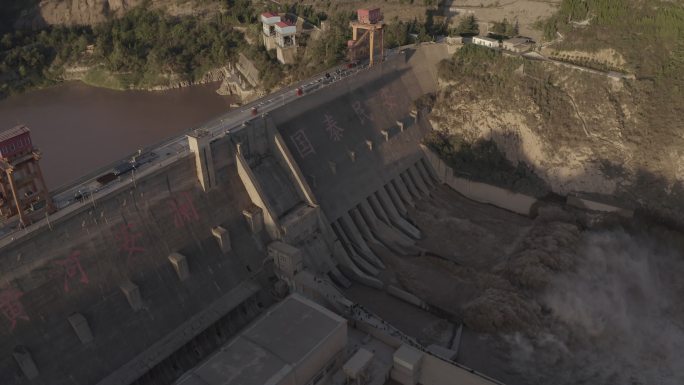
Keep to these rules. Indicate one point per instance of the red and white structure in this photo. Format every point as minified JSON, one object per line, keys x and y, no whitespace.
{"x":22,"y":187}
{"x":371,"y":40}
{"x":281,"y":35}
{"x":286,"y":34}
{"x":269,"y":21}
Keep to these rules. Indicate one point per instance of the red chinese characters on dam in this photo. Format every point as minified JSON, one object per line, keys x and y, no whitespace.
{"x":361,"y":112}
{"x":11,"y":307}
{"x":183,"y":209}
{"x":389,"y":101}
{"x":72,"y":268}
{"x":333,"y":129}
{"x":302,"y":144}
{"x":128,"y":238}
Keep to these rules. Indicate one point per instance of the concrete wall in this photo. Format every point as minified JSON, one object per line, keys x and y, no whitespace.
{"x":78,"y":264}
{"x":485,"y":193}
{"x":285,"y":156}
{"x":587,"y":204}
{"x":248,"y":70}
{"x":324,"y":352}
{"x":286,"y":55}
{"x":506,"y":199}
{"x":358,"y":159}
{"x":435,"y":371}
{"x":406,"y":297}
{"x":477,"y":191}
{"x":423,"y":63}
{"x":256,"y":194}
{"x":299,"y":224}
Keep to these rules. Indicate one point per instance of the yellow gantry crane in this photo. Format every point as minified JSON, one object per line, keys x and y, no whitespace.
{"x":371,"y":22}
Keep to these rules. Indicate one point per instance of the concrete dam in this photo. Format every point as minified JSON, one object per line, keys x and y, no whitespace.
{"x":138,"y":285}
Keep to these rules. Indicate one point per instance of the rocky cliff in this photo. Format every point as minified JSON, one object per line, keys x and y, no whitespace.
{"x":90,"y":12}
{"x":580,"y":132}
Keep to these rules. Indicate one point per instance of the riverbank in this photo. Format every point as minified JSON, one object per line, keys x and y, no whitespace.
{"x":145,"y":49}
{"x":99,"y":76}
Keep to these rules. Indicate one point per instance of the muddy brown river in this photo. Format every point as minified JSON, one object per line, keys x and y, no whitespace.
{"x":79,"y":128}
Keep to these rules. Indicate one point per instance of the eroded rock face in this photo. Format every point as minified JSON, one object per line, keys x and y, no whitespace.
{"x":578,"y":131}
{"x":91,"y":12}
{"x":76,"y":12}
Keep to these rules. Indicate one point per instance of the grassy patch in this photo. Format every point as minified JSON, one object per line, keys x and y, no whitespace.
{"x":482,"y":67}
{"x":100,"y":77}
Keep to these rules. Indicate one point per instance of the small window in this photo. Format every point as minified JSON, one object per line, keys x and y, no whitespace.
{"x":20,"y":144}
{"x":11,"y":147}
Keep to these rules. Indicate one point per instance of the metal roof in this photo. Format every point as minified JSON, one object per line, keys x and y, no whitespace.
{"x":12,"y":132}
{"x":270,"y":348}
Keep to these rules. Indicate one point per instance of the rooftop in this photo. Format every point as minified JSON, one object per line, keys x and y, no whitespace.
{"x":283,"y":24}
{"x":485,"y":38}
{"x":270,"y":348}
{"x":269,"y":15}
{"x":12,"y":132}
{"x":408,"y":357}
{"x":519,"y":40}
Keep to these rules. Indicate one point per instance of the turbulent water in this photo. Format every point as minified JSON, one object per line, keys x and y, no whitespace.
{"x":616,"y":319}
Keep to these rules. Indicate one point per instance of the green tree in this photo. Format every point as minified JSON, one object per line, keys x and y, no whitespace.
{"x":505,"y":28}
{"x":242,"y":10}
{"x":513,"y":29}
{"x":397,"y":34}
{"x":468,"y":26}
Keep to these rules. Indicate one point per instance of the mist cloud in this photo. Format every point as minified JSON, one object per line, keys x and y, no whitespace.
{"x":618,"y":318}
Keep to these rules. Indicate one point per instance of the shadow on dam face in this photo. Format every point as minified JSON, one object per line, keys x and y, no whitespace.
{"x":357,"y":137}
{"x":110,"y":262}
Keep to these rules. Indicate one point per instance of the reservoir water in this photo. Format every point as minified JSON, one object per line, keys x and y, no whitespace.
{"x":79,"y":128}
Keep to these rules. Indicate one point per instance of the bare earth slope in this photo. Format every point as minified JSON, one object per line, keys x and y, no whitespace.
{"x":90,"y":12}
{"x":580,"y":132}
